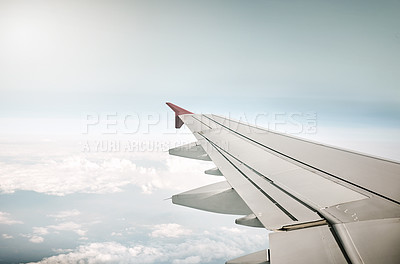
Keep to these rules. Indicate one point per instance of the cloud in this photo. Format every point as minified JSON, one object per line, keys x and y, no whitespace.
{"x":107,"y":252}
{"x":69,"y":172}
{"x":6,"y":236}
{"x":33,"y":238}
{"x":5,"y":219}
{"x":36,"y":239}
{"x":188,"y":260}
{"x":169,"y":230}
{"x":69,"y":226}
{"x":68,"y":175}
{"x":231,"y":229}
{"x":62,"y":250}
{"x":187,"y":247}
{"x":40,"y":230}
{"x":113,"y":252}
{"x":192,"y":251}
{"x":65,"y":214}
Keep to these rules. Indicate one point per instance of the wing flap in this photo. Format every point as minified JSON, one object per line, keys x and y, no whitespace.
{"x":375,"y":241}
{"x":305,"y":246}
{"x":214,"y":171}
{"x":249,"y":220}
{"x":218,"y":197}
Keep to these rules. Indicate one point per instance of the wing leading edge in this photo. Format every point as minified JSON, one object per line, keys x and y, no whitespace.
{"x":323,"y":204}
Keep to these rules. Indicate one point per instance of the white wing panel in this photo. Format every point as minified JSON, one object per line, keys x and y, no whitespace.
{"x":304,"y":184}
{"x":376,"y":175}
{"x":267,"y":212}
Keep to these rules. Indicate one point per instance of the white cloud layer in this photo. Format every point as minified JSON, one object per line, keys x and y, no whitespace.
{"x":61,"y":170}
{"x":204,"y":247}
{"x":169,"y":230}
{"x":69,"y":226}
{"x":38,"y":232}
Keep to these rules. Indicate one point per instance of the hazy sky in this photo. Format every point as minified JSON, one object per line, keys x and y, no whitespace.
{"x":72,"y":56}
{"x":64,"y":62}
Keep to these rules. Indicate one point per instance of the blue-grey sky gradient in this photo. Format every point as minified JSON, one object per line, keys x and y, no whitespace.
{"x":61,"y":61}
{"x":68,"y":55}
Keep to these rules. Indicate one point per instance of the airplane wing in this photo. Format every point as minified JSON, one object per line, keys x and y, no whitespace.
{"x":324,"y":204}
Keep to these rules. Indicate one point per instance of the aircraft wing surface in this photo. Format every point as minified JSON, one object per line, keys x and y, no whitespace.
{"x":323,"y":204}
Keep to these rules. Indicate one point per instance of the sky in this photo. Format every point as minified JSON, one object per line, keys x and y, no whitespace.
{"x":84,"y":129}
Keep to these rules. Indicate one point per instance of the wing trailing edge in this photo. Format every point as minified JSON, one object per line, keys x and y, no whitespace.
{"x":259,"y":257}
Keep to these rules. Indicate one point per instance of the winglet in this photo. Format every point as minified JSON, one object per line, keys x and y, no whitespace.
{"x":178,"y":111}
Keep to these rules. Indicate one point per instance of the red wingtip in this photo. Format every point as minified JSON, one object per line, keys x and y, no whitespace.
{"x":178,"y":110}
